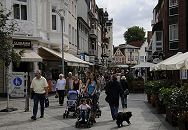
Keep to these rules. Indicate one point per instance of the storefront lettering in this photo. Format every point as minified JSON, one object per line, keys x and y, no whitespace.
{"x":21,"y":44}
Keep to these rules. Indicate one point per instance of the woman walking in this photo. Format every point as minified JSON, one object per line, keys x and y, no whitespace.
{"x":124,"y":86}
{"x":60,"y":86}
{"x":91,"y":87}
{"x":76,"y":83}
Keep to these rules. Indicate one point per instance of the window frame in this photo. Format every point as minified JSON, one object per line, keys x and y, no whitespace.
{"x":174,"y":5}
{"x":20,"y":4}
{"x":173,"y":38}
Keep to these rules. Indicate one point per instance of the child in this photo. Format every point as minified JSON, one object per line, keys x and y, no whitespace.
{"x":84,"y":105}
{"x":83,"y":110}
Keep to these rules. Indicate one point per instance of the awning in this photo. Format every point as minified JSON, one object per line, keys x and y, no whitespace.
{"x":144,"y":65}
{"x":162,"y":65}
{"x":122,"y":66}
{"x":29,"y":56}
{"x":69,"y":58}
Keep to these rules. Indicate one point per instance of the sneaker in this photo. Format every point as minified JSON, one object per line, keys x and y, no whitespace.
{"x":33,"y":118}
{"x":42,"y":116}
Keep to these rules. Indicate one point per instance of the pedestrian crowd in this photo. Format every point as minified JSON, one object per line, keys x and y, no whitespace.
{"x":115,"y":87}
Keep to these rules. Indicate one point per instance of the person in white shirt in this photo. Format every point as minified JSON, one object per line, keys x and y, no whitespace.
{"x":84,"y":105}
{"x":39,"y":87}
{"x":60,"y":87}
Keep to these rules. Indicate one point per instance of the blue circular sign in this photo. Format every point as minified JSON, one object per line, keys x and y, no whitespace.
{"x":17,"y":81}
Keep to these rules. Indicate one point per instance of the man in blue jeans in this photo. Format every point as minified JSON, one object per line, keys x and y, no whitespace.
{"x":39,"y":87}
{"x":113,"y":91}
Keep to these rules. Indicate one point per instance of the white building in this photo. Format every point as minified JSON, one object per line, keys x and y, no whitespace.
{"x":40,"y":33}
{"x":142,"y":52}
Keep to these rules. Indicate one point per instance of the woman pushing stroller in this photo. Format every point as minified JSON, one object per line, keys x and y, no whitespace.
{"x":91,"y":88}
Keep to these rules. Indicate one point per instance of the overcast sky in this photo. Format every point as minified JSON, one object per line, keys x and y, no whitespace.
{"x":128,"y":13}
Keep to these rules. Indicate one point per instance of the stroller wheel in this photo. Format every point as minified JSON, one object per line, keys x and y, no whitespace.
{"x":88,"y":125}
{"x":99,"y":112}
{"x":77,"y":125}
{"x":64,"y":115}
{"x":67,"y":114}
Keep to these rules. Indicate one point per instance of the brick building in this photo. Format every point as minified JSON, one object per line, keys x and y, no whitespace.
{"x":169,"y":28}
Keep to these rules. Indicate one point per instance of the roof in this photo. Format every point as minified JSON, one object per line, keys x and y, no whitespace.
{"x":127,"y":46}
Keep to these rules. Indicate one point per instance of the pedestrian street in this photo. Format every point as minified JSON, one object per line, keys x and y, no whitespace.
{"x":144,"y":116}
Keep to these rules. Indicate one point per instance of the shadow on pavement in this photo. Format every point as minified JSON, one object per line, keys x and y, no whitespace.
{"x":14,"y":123}
{"x":159,"y":117}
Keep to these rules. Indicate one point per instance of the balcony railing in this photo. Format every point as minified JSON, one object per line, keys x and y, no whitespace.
{"x":93,"y":33}
{"x":93,"y":52}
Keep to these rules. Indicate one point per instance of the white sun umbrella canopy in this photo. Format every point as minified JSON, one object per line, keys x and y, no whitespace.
{"x":162,"y":65}
{"x":144,"y":65}
{"x":179,"y":62}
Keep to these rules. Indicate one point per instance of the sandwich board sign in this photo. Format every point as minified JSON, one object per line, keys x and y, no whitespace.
{"x":17,"y":84}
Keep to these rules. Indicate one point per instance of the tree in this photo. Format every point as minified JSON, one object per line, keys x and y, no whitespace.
{"x":7,"y":28}
{"x":134,"y":33}
{"x":7,"y":54}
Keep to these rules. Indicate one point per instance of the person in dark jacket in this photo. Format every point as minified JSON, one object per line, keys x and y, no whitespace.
{"x":124,"y":86}
{"x":113,"y":91}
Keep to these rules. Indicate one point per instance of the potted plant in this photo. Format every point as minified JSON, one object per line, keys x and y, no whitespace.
{"x":183,"y":121}
{"x":179,"y":104}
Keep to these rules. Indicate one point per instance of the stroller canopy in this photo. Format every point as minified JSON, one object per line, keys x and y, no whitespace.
{"x":72,"y":95}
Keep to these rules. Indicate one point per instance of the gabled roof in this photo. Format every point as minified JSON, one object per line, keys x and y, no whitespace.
{"x":118,"y":49}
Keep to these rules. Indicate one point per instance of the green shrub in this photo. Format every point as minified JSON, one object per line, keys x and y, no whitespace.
{"x":153,"y":87}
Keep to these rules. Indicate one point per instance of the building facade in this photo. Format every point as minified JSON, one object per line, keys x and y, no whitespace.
{"x":41,"y":23}
{"x":169,"y":27}
{"x":130,"y":52}
{"x":83,"y":30}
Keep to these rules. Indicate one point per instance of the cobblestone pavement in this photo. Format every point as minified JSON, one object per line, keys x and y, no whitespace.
{"x":144,"y":116}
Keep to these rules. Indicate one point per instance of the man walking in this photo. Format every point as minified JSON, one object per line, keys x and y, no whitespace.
{"x":113,"y":91}
{"x":39,"y":87}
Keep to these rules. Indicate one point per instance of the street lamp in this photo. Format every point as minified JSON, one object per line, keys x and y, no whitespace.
{"x":62,"y":43}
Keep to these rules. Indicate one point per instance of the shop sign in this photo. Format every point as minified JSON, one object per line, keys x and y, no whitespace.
{"x":17,"y":84}
{"x":21,"y":44}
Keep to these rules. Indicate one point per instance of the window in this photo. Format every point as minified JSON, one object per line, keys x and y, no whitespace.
{"x":136,"y":58}
{"x":54,"y":18}
{"x":20,"y":10}
{"x":173,"y":45}
{"x":54,"y":27}
{"x":75,"y":37}
{"x":173,"y":3}
{"x":158,"y":36}
{"x":69,"y":33}
{"x":72,"y":35}
{"x":173,"y":32}
{"x":173,"y":11}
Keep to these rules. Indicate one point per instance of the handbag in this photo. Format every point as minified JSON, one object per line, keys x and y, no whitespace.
{"x":126,"y":92}
{"x":46,"y":102}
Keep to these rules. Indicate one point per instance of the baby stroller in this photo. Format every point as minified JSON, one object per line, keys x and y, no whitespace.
{"x":84,"y":115}
{"x":72,"y":103}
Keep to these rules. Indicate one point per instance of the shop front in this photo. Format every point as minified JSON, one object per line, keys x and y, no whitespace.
{"x":52,"y":64}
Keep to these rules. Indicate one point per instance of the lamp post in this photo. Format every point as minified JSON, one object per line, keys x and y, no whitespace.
{"x":62,"y":42}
